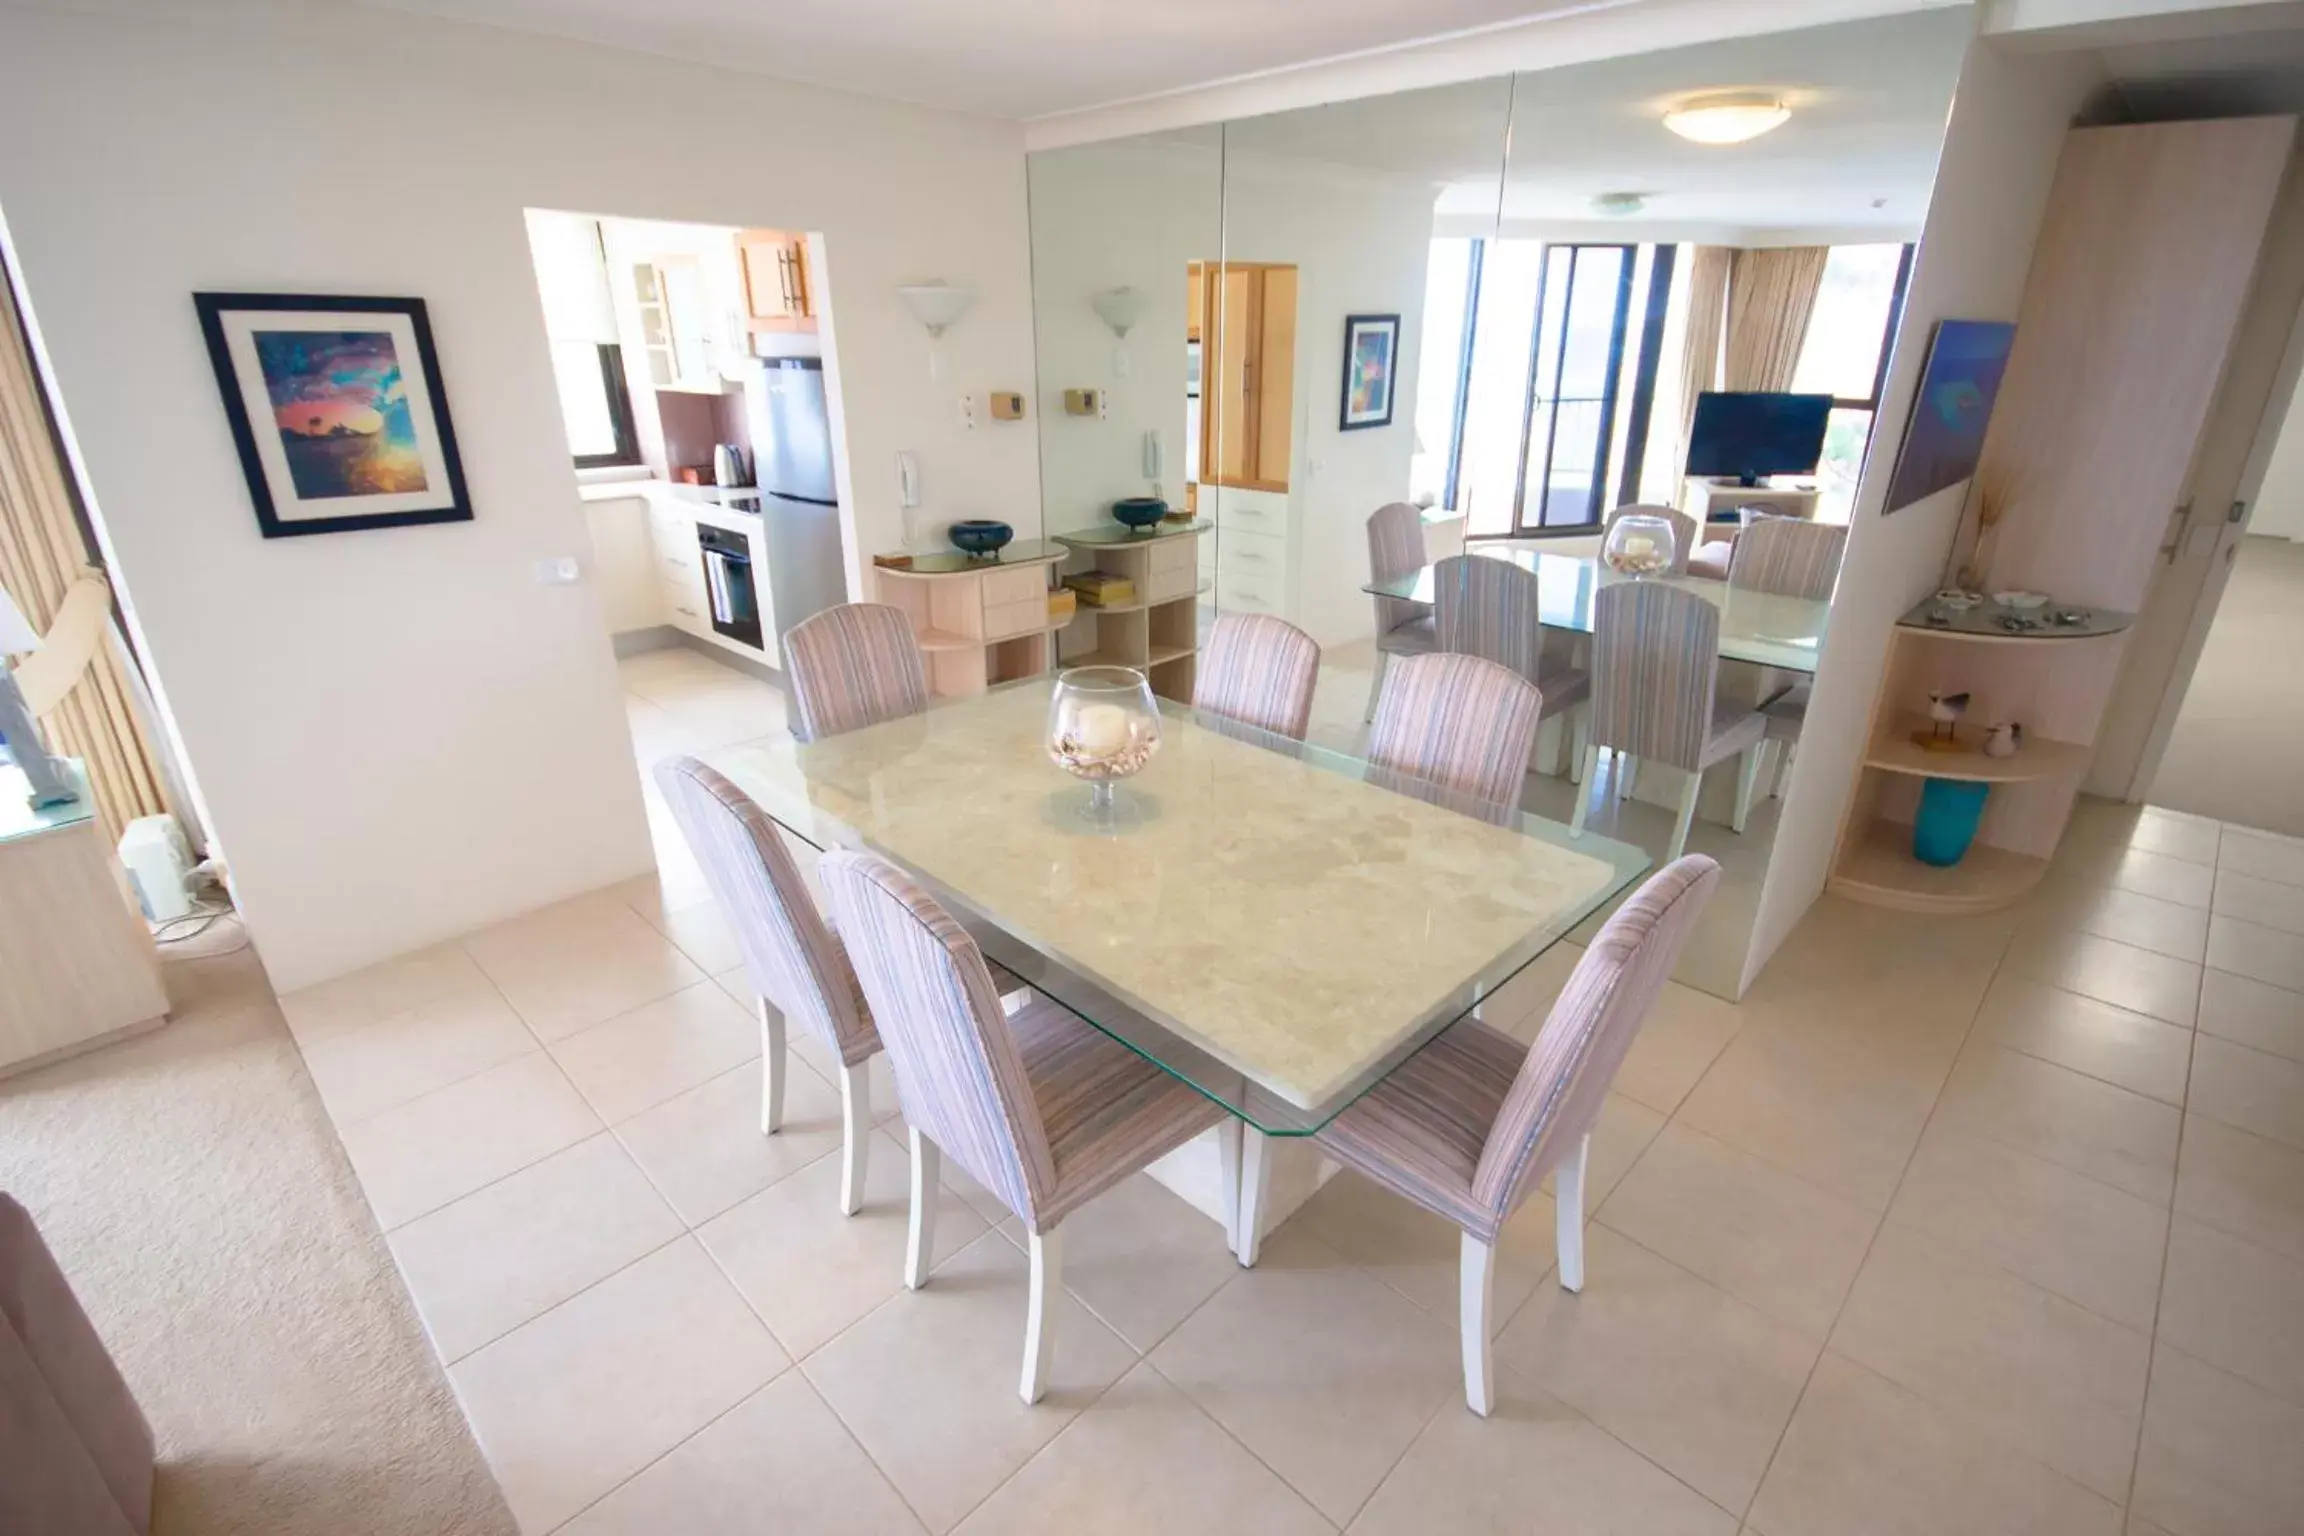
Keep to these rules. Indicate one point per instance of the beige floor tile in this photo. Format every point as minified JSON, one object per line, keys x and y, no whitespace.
{"x":580,"y":963}
{"x":2075,"y":1121}
{"x":2111,"y":972}
{"x":1675,"y":1367}
{"x":1535,"y":1467}
{"x":1143,"y":1460}
{"x":1865,"y":1455}
{"x":367,"y":1070}
{"x":429,"y":1151}
{"x":2269,"y":955}
{"x":2267,"y":858}
{"x":2024,"y":1366}
{"x":703,"y":1149}
{"x":2267,"y":1017}
{"x":2173,"y":928}
{"x":2156,"y":874}
{"x":778,"y":1461}
{"x":1765,"y":1237}
{"x":2131,"y":1050}
{"x":1138,"y":1257}
{"x":2176,"y":834}
{"x":639,"y":1059}
{"x":496,"y":1258}
{"x":927,"y":1383}
{"x":2242,"y":1184}
{"x":2250,"y":1089}
{"x":810,"y":1271}
{"x":570,"y":1405}
{"x":1324,"y":1374}
{"x":879,"y":1077}
{"x":1520,"y":1005}
{"x":1682,"y":1036}
{"x":2086,"y":1241}
{"x":2271,"y":903}
{"x":441,"y":974}
{"x":2219,"y":1455}
{"x":1621,"y":1134}
{"x":1417,"y":1253}
{"x":2236,"y":1306}
{"x":702,"y":934}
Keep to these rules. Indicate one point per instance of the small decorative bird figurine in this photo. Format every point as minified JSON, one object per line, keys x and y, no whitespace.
{"x":1944,"y":712}
{"x":2003,"y":740}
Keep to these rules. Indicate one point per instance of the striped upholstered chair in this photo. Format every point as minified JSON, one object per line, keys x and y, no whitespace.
{"x":796,"y":965}
{"x":1685,"y":530}
{"x":853,"y":665}
{"x":1488,"y":608}
{"x":1788,"y":555}
{"x":1655,"y":697}
{"x":1460,"y":722}
{"x":1470,"y":1125}
{"x":1041,"y":1109}
{"x":1260,"y":671}
{"x":1403,"y":628}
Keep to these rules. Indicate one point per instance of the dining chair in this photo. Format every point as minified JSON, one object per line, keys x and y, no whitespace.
{"x":1488,"y":608}
{"x":853,"y":665}
{"x":1468,"y":1126}
{"x":1786,"y":714}
{"x":795,"y":964}
{"x":1260,"y":671}
{"x":1788,"y":555}
{"x":1403,"y":627}
{"x":1043,"y":1110}
{"x":1685,"y":530}
{"x":1655,"y":697}
{"x":1461,"y":722}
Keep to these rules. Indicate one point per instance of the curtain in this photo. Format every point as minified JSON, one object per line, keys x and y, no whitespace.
{"x":1770,"y":296}
{"x":42,"y":554}
{"x":1708,"y":270}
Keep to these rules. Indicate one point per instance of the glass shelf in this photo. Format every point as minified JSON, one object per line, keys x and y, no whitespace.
{"x":1989,"y":620}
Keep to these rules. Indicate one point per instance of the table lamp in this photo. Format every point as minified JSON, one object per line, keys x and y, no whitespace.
{"x":50,"y":785}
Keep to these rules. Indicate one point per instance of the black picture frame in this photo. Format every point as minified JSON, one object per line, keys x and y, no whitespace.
{"x":1355,"y":326}
{"x":278,"y":486}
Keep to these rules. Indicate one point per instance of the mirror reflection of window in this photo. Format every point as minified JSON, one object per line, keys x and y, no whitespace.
{"x":1845,"y":355}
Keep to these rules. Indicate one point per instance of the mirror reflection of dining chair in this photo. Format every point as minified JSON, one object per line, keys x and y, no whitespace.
{"x":1045,"y":1111}
{"x":795,"y":964}
{"x":1794,"y":558}
{"x":1655,"y":697}
{"x":1468,"y":1127}
{"x":1403,"y":628}
{"x":1460,"y":722}
{"x":853,"y":665}
{"x":1685,"y":530}
{"x":1488,"y":608}
{"x":1260,"y":671}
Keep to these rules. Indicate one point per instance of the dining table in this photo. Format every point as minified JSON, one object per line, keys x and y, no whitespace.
{"x":1276,"y":924}
{"x":1769,"y":629}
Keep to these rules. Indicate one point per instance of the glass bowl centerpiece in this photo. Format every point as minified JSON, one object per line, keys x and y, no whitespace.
{"x":1640,"y":544}
{"x":1103,"y":726}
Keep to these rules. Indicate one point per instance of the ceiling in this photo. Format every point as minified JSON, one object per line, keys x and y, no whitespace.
{"x":2225,"y":75}
{"x":1001,"y":58}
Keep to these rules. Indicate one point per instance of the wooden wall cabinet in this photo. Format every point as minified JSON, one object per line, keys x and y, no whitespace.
{"x":777,"y":288}
{"x":1244,"y":314}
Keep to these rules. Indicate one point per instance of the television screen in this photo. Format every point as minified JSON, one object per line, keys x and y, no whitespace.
{"x":1752,"y":436}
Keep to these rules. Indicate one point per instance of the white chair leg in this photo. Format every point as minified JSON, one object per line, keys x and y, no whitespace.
{"x":1255,"y":1186}
{"x":1475,"y":1314}
{"x":1228,"y":1137}
{"x":1627,"y":769}
{"x":1688,"y":795}
{"x":920,"y":1240}
{"x":772,"y":1072}
{"x":1584,"y":785}
{"x":1040,"y":1317}
{"x":1376,"y":683}
{"x":1784,"y":751}
{"x":1568,"y":1203}
{"x":1747,"y":783}
{"x":1580,"y":743}
{"x":855,"y":1135}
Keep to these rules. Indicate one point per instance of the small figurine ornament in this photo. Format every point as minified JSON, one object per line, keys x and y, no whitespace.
{"x":1944,"y":712}
{"x":2003,"y":740}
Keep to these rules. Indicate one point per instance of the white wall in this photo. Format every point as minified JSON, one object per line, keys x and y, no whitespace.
{"x":2009,"y":116}
{"x":398,"y":734}
{"x":2280,"y":500}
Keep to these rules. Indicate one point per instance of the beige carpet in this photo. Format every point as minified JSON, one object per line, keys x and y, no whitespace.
{"x":2237,"y":752}
{"x":194,"y":1192}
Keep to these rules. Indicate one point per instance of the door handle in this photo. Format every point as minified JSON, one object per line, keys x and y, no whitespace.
{"x":2179,"y":523}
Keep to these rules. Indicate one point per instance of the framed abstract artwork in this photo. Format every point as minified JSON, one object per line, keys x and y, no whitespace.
{"x":336,"y":408}
{"x":1944,"y":438}
{"x":1371,"y":364}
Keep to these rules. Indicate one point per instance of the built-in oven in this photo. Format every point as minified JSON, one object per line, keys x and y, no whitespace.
{"x":728,"y":584}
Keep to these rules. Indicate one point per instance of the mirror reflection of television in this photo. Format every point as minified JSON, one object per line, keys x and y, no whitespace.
{"x":1749,"y":437}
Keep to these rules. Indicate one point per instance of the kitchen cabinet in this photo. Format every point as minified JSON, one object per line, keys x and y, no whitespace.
{"x":778,"y":294}
{"x":623,"y":563}
{"x":675,"y":313}
{"x":1246,"y":319}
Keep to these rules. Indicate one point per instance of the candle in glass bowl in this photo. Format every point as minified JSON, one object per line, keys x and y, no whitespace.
{"x":1102,"y":730}
{"x":1103,"y":724}
{"x":1639,"y":544}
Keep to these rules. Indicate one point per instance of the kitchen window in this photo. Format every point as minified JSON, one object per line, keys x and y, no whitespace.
{"x":580,"y":322}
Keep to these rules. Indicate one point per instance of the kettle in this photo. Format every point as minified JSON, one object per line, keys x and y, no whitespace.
{"x":728,"y":466}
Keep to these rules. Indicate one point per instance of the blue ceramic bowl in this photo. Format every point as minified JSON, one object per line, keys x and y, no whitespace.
{"x":1139,"y":512}
{"x":980,"y":537}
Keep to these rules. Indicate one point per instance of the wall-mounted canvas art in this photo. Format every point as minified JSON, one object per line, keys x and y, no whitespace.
{"x":1945,"y":437}
{"x":1371,"y":364}
{"x":336,"y":408}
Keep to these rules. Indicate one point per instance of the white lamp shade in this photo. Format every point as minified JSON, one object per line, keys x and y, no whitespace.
{"x":937,"y":304}
{"x":1729,"y":119}
{"x":16,"y":632}
{"x":1119,"y":308}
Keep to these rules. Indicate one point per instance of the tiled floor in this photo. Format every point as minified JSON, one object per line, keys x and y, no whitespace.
{"x":1955,"y":1226}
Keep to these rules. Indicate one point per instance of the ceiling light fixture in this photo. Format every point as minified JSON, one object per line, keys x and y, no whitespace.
{"x":1618,"y":205}
{"x":1727,"y":119}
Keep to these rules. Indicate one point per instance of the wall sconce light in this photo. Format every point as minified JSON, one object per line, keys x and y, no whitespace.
{"x":1119,"y":308}
{"x":936,"y":305}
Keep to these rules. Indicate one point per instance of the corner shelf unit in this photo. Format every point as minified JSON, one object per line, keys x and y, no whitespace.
{"x":1158,"y":630}
{"x":2053,"y":682}
{"x":979,"y":621}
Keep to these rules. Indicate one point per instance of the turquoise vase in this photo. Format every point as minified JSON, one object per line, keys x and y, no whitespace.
{"x":1946,"y":825}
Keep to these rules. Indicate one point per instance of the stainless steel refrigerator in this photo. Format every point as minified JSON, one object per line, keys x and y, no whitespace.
{"x":799,"y":502}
